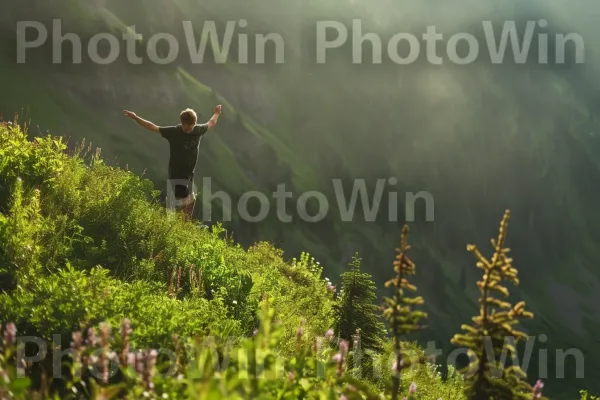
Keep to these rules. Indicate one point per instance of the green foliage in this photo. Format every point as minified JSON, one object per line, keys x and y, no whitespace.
{"x":426,"y":375}
{"x":86,"y":252}
{"x":12,"y":383}
{"x":82,"y":242}
{"x":492,"y":332}
{"x":304,"y":297}
{"x":586,"y":396}
{"x":72,"y":299}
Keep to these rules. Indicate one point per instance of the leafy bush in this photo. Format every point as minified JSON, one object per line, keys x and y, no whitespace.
{"x":73,"y":298}
{"x":61,"y":210}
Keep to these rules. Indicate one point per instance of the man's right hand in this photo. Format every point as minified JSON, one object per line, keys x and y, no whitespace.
{"x":130,"y":114}
{"x":142,"y":122}
{"x":218,"y":109}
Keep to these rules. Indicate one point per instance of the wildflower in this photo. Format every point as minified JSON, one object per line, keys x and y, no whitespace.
{"x":139,"y":365}
{"x":329,"y":334}
{"x":77,"y":342}
{"x":537,"y":389}
{"x":331,"y":287}
{"x":170,"y":289}
{"x":179,"y":279}
{"x":339,"y":357}
{"x":93,"y":359}
{"x":149,"y":371}
{"x":112,"y":356}
{"x":413,"y":388}
{"x":91,"y":339}
{"x":318,"y":344}
{"x":255,"y":332}
{"x":292,"y":376}
{"x":152,"y":356}
{"x":343,"y":397}
{"x":344,"y":347}
{"x":234,"y":302}
{"x":125,"y":328}
{"x":125,"y":332}
{"x":104,"y":333}
{"x":10,"y":334}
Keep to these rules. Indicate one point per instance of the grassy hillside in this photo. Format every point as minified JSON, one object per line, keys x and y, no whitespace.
{"x":91,"y":261}
{"x":479,"y":138}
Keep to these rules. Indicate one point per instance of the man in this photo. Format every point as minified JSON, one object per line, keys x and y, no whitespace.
{"x":184,"y":141}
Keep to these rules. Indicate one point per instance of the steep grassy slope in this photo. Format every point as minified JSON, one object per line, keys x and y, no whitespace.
{"x":86,"y":252}
{"x":479,"y":138}
{"x":95,"y":244}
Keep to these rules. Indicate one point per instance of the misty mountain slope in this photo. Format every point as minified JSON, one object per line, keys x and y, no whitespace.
{"x":479,"y":138}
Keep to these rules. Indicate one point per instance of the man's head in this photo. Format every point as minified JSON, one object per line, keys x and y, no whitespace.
{"x":188,"y":119}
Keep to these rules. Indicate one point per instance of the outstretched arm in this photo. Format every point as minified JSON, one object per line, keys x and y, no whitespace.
{"x":142,"y":122}
{"x":213,"y":120}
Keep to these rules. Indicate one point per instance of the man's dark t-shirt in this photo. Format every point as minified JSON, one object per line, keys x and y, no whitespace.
{"x":183,"y":149}
{"x":183,"y":154}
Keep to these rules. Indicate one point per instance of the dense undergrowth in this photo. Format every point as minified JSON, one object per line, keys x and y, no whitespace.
{"x":119,"y":298}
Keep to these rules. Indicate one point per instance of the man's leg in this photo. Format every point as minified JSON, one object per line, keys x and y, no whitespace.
{"x":188,"y":207}
{"x":186,"y":199}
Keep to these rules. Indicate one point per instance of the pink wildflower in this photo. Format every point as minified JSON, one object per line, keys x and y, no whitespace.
{"x":329,"y":334}
{"x":344,"y":347}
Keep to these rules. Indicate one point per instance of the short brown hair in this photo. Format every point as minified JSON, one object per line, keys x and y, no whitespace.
{"x":188,"y":117}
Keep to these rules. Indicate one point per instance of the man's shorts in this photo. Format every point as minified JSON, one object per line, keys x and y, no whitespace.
{"x":182,"y":191}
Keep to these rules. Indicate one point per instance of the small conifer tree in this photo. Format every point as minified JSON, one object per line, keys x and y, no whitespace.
{"x":356,"y":309}
{"x":402,"y":317}
{"x":492,"y":332}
